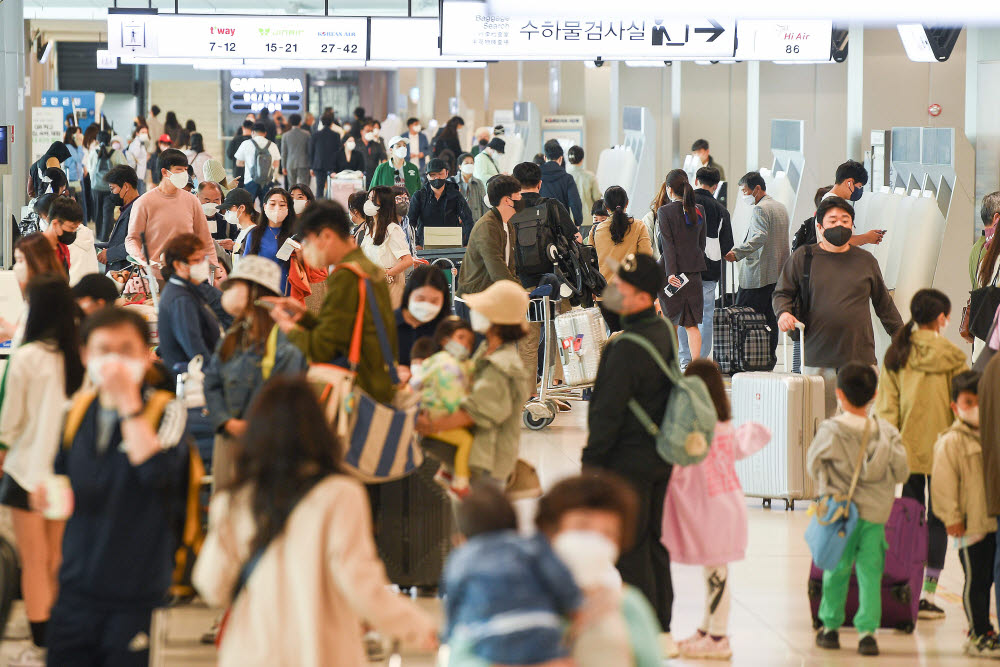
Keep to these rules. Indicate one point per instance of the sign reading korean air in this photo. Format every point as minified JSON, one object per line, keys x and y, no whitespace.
{"x":470,"y":31}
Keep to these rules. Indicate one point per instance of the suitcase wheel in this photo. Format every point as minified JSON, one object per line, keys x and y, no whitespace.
{"x":766,"y":502}
{"x":902,"y":594}
{"x":789,"y":505}
{"x":908,"y":628}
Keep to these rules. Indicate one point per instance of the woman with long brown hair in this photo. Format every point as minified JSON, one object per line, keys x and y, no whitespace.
{"x":682,"y":231}
{"x":385,"y":241}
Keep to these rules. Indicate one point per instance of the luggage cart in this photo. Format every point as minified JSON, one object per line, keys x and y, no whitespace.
{"x":450,"y":271}
{"x":541,"y":411}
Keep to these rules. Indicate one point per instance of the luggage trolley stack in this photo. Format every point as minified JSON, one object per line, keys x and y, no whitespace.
{"x":580,"y":336}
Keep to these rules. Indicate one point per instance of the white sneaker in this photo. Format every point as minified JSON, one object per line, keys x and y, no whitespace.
{"x":31,"y":656}
{"x":17,"y":623}
{"x":668,"y":646}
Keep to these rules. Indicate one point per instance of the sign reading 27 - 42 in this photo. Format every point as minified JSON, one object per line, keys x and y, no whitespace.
{"x":220,"y":36}
{"x":469,"y":31}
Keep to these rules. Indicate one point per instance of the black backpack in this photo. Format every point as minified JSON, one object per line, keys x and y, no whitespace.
{"x":533,"y":231}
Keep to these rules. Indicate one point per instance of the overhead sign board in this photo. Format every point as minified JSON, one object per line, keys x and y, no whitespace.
{"x":404,"y":39}
{"x":222,"y":36}
{"x":470,"y":31}
{"x":105,"y":60}
{"x":783,"y":40}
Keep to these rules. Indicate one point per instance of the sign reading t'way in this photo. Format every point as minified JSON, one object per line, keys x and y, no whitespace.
{"x":468,"y":31}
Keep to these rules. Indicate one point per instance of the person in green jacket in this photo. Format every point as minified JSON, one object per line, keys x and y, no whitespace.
{"x":326,"y":239}
{"x":397,"y":171}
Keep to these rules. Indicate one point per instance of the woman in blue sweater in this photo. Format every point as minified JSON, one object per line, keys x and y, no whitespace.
{"x":272,"y":230}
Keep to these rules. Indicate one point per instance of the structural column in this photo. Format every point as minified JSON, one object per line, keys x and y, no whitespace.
{"x":855,"y":91}
{"x":753,"y":115}
{"x":13,"y":114}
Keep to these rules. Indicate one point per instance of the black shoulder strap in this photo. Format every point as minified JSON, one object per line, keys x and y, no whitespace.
{"x":806,"y":276}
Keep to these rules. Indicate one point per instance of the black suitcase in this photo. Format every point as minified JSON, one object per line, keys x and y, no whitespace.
{"x":413,"y":527}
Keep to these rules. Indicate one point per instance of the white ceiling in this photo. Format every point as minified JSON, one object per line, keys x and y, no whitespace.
{"x":96,"y":9}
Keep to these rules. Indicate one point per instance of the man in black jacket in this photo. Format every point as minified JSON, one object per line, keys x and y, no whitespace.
{"x":618,"y":441}
{"x":558,"y":184}
{"x":124,"y":186}
{"x":439,"y":203}
{"x":719,"y":234}
{"x":324,"y":146}
{"x":234,"y":144}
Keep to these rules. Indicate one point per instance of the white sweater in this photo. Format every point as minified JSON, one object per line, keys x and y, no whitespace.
{"x":31,"y":416}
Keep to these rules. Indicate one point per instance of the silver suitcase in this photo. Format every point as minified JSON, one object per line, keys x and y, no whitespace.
{"x":580,"y":339}
{"x":792,"y":406}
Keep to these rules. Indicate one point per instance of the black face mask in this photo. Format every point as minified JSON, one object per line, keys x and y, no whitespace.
{"x":116,"y":200}
{"x":437,"y":183}
{"x":67,"y":238}
{"x":838,"y":235}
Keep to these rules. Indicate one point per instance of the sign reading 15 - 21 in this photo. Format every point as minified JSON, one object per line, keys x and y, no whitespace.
{"x":469,"y":31}
{"x":220,"y":36}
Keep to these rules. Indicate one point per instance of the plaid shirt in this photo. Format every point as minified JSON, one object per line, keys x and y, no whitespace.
{"x":765,"y":248}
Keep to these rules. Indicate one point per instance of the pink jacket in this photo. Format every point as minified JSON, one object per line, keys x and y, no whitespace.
{"x":705,"y":514}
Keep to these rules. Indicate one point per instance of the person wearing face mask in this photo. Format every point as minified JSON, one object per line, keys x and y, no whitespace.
{"x":403,"y":215}
{"x":295,"y":152}
{"x":439,"y":204}
{"x":65,"y":220}
{"x":166,"y":212}
{"x":959,"y":495}
{"x":57,"y":154}
{"x":499,"y":383}
{"x":253,"y":156}
{"x":324,"y":147}
{"x":137,"y":155}
{"x":79,"y":242}
{"x":426,"y":302}
{"x":126,"y":458}
{"x":75,"y":166}
{"x":486,"y":164}
{"x":124,"y":186}
{"x":371,"y":148}
{"x":100,"y":161}
{"x":470,"y":186}
{"x":243,"y":360}
{"x":558,"y":184}
{"x":385,"y":243}
{"x":913,"y":395}
{"x":417,"y":144}
{"x":700,"y":150}
{"x":349,"y":158}
{"x":326,"y":240}
{"x":46,"y":369}
{"x":238,"y":212}
{"x":273,"y":229}
{"x":619,"y":442}
{"x":843,"y":281}
{"x":397,"y":171}
{"x":763,"y":251}
{"x":447,"y":138}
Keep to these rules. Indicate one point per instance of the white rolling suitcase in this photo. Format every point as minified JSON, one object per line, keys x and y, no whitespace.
{"x":580,"y":337}
{"x":792,"y":406}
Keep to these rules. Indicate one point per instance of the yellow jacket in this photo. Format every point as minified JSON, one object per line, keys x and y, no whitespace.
{"x":917,"y":398}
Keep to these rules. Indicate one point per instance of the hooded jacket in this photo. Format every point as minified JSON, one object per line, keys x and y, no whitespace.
{"x":958,"y":488}
{"x":559,"y":185}
{"x":834,"y":453}
{"x":917,"y":398}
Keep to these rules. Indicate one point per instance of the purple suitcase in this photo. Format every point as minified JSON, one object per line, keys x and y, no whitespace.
{"x":906,"y":533}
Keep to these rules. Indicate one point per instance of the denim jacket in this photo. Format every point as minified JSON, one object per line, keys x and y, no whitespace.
{"x":230,"y":386}
{"x":191,"y":321}
{"x":507,"y":596}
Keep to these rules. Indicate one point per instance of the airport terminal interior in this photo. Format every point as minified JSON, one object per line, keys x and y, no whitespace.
{"x":450,"y":198}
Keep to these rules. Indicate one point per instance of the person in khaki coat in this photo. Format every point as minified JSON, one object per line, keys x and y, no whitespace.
{"x":959,"y":493}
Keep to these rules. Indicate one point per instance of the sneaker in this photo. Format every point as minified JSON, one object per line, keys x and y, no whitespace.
{"x":523,"y":482}
{"x":986,"y":646}
{"x":707,"y":648}
{"x":828,"y":639}
{"x":668,"y":646}
{"x":693,"y":638}
{"x":868,"y":645}
{"x":928,"y":611}
{"x":376,"y":647}
{"x":31,"y":656}
{"x":443,"y":478}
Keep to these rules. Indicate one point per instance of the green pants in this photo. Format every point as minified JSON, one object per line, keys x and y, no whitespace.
{"x":865,"y":551}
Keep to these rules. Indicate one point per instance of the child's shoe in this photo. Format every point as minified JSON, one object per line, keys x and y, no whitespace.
{"x":444,"y":478}
{"x":986,"y":646}
{"x":928,"y":611}
{"x":699,"y":633}
{"x":707,"y":648}
{"x":868,"y":645}
{"x":668,"y":646}
{"x":828,"y":639}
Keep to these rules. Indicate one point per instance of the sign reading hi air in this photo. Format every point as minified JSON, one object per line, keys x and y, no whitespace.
{"x":221,"y":36}
{"x":469,"y":31}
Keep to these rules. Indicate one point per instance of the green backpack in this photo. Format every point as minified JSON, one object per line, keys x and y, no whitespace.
{"x":688,"y":425}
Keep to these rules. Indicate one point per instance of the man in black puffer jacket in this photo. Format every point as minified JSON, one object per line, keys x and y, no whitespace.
{"x":559,"y":185}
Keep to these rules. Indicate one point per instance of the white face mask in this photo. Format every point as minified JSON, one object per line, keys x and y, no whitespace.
{"x":400,"y":152}
{"x":369,"y":136}
{"x":210,"y":209}
{"x":970,"y":416}
{"x":275,"y":214}
{"x":468,"y":168}
{"x":415,"y":129}
{"x":299,"y":205}
{"x":179,"y":180}
{"x":376,"y":132}
{"x":748,"y":200}
{"x":370,"y":208}
{"x":457,"y":350}
{"x":234,"y":299}
{"x":480,"y":323}
{"x":349,"y":145}
{"x":199,"y":272}
{"x":590,"y":556}
{"x":231,"y":216}
{"x":21,"y":273}
{"x":95,"y":369}
{"x":423,"y":311}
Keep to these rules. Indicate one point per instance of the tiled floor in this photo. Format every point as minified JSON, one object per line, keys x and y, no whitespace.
{"x":770,"y":624}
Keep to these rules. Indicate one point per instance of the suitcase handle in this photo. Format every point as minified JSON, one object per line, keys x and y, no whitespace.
{"x":789,"y":344}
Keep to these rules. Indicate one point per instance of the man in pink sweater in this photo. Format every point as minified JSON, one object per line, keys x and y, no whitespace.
{"x":168,"y":211}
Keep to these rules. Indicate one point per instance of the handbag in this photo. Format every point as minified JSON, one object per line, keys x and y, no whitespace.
{"x":986,"y":355}
{"x":835,"y":517}
{"x":982,"y":309}
{"x":380,"y":439}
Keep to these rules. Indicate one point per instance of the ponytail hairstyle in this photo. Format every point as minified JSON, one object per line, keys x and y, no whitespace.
{"x":678,"y":183}
{"x":615,"y":201}
{"x":925,"y":307}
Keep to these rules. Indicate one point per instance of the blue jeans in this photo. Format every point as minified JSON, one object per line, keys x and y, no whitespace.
{"x":708,"y":311}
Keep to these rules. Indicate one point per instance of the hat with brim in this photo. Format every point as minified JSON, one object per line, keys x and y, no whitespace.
{"x":397,"y":139}
{"x":503,"y":302}
{"x":165,"y":139}
{"x":257,"y":270}
{"x":237,"y":197}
